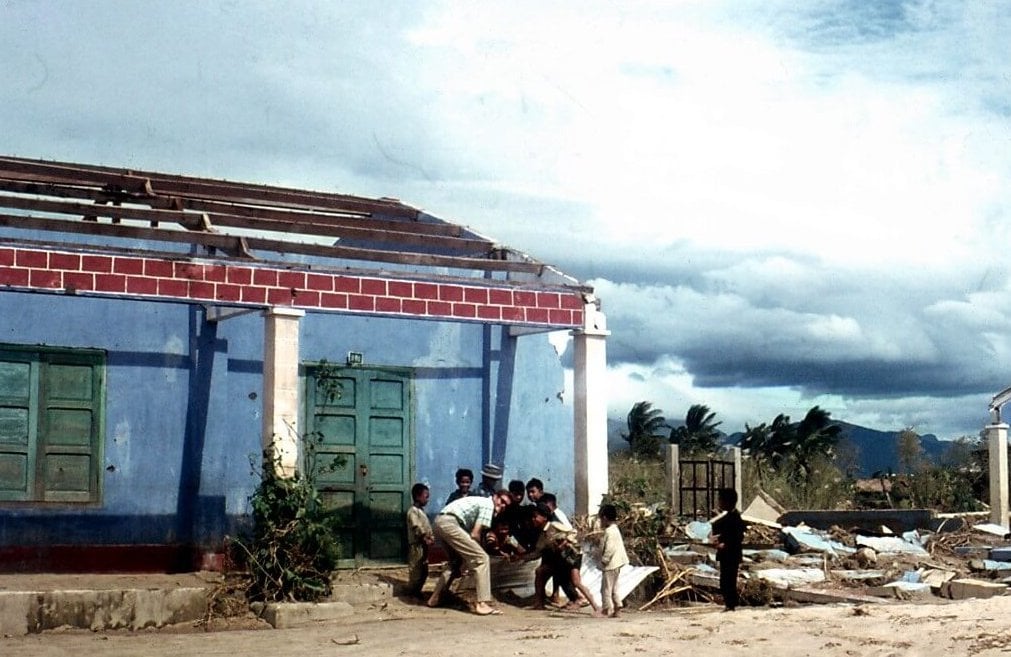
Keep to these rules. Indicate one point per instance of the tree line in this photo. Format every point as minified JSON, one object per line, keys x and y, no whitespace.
{"x":798,"y":456}
{"x":805,"y":463}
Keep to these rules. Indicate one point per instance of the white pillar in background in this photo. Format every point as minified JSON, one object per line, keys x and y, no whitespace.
{"x":281,"y":387}
{"x":590,"y":410}
{"x":736,"y":456}
{"x":996,"y":436}
{"x":672,"y":468}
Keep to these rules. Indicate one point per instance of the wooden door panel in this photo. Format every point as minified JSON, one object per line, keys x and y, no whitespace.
{"x":369,"y":427}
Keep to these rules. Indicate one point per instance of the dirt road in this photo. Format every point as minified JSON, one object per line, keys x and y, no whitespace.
{"x":977,"y":627}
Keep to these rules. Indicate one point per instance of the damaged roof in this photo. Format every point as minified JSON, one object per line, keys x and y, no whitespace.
{"x":246,"y":222}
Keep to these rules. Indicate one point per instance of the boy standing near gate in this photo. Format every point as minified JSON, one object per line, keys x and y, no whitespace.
{"x":728,"y":534}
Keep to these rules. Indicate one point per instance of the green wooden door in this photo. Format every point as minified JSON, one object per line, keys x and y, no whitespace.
{"x":369,"y":428}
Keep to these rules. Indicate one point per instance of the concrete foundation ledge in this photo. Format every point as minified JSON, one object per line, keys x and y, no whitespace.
{"x":284,"y":615}
{"x":26,"y":612}
{"x":361,"y":593}
{"x":961,"y":589}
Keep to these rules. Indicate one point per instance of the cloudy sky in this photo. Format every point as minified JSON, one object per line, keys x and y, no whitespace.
{"x":781,"y":204}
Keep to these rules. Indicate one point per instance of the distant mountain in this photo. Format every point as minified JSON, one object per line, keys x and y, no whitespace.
{"x":875,"y":451}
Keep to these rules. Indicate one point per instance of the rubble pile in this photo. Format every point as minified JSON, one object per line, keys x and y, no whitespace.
{"x":951,"y":557}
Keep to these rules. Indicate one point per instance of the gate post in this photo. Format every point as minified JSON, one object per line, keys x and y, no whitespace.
{"x":996,"y":435}
{"x":672,"y":469}
{"x":735,"y":452}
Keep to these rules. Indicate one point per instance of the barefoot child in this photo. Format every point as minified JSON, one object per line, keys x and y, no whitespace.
{"x":612,"y":558}
{"x":560,"y":558}
{"x":419,"y":538}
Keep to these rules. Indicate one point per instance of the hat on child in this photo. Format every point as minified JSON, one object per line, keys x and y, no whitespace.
{"x":491,"y":471}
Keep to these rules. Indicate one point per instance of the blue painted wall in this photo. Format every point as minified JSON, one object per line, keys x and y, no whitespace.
{"x":184,"y":400}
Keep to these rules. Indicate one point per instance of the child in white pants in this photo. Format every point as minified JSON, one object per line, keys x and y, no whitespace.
{"x":612,"y":558}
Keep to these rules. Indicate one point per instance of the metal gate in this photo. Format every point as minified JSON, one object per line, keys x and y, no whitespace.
{"x":700,"y":481}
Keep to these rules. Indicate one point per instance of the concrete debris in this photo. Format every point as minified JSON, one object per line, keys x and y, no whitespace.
{"x":902,"y":590}
{"x":892,"y":545}
{"x":830,"y":565}
{"x":683,"y":554}
{"x":698,"y":530}
{"x":865,"y":556}
{"x":864,"y":576}
{"x":790,"y":577}
{"x":807,"y":560}
{"x":1000,"y":553}
{"x":806,"y":539}
{"x":961,"y":589}
{"x":763,"y":510}
{"x":989,"y":565}
{"x":992,"y":528}
{"x":827,"y":597}
{"x":759,"y":556}
{"x":935,"y":577}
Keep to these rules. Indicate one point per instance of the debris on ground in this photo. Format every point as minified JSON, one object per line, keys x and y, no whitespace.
{"x":950,"y":557}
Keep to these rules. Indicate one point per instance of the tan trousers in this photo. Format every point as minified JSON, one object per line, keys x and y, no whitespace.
{"x":609,"y":598}
{"x":461,"y":547}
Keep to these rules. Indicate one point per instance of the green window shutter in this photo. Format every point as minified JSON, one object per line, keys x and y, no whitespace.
{"x":18,"y":425}
{"x":51,"y":423}
{"x":70,"y":406}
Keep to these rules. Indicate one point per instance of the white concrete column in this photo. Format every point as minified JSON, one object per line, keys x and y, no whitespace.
{"x":996,"y":436}
{"x":736,"y":457}
{"x":280,"y":387}
{"x":672,"y":468}
{"x":590,"y":410}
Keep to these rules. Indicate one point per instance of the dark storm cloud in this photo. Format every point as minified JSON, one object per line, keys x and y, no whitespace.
{"x":821,"y":336}
{"x":842,"y":22}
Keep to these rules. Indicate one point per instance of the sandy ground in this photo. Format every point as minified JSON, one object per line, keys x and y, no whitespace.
{"x":974,"y":627}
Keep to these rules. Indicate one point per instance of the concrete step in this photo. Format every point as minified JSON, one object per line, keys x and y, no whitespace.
{"x":32,"y":611}
{"x":32,"y":603}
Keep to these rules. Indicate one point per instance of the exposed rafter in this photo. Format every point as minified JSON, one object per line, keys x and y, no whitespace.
{"x":240,"y":219}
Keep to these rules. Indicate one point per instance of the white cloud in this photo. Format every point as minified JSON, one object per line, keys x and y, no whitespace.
{"x":785,"y":202}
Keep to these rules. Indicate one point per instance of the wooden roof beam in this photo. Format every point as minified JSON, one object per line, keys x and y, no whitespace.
{"x":233,"y":244}
{"x":42,"y":171}
{"x":205,"y":221}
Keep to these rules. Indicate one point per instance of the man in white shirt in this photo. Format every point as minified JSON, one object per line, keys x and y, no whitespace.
{"x":458,"y":527}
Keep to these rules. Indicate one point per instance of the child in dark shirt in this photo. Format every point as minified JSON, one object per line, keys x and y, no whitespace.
{"x":728,"y":534}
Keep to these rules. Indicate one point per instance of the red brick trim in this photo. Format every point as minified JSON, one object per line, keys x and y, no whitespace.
{"x":37,"y":269}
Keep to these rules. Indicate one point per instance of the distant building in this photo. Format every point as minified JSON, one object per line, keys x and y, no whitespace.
{"x":158,"y":331}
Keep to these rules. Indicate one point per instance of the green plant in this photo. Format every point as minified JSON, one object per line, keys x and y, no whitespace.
{"x":294,"y":546}
{"x":293,"y":550}
{"x":825,"y":486}
{"x":636,"y":481}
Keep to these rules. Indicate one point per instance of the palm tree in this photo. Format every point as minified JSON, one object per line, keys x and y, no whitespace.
{"x":816,"y":436}
{"x":699,"y":433}
{"x":645,"y":425}
{"x":756,"y":443}
{"x":796,"y":446}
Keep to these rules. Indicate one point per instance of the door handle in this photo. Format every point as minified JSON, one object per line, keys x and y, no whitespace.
{"x":363,"y":469}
